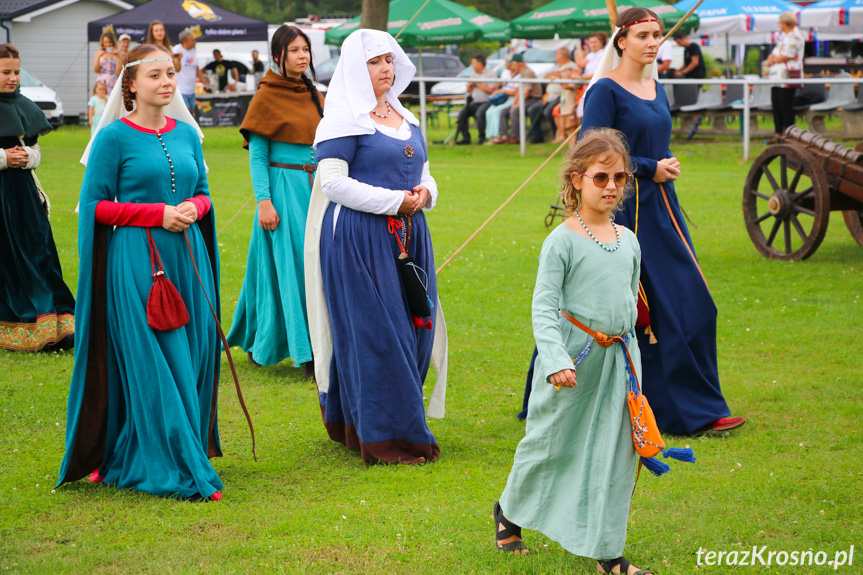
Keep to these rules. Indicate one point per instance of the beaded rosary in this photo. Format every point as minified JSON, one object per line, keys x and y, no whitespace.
{"x":593,"y":237}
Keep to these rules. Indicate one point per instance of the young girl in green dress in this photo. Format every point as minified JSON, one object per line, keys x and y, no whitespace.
{"x":573,"y":473}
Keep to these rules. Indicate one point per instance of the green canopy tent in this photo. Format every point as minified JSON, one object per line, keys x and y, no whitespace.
{"x":420,"y":23}
{"x":440,"y":22}
{"x":578,"y":18}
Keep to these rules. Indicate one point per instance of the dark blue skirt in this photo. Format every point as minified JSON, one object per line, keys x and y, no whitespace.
{"x":380,"y":359}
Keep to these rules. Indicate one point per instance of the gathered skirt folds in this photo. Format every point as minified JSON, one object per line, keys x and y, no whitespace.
{"x":36,"y":307}
{"x":380,"y":360}
{"x":161,"y":383}
{"x":270,"y":321}
{"x":573,"y":472}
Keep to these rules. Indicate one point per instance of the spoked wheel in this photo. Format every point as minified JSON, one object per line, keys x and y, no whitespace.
{"x":786,"y":203}
{"x":854,"y":221}
{"x":554,"y":212}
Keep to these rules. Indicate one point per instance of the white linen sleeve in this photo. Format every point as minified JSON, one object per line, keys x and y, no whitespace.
{"x":3,"y":165}
{"x":34,"y":156}
{"x":429,"y":182}
{"x":342,"y":189}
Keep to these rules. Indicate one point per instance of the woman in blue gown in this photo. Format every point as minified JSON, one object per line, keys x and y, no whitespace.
{"x":373,"y":168}
{"x":36,"y":306}
{"x":270,"y":321}
{"x":142,"y":408}
{"x":681,"y":378}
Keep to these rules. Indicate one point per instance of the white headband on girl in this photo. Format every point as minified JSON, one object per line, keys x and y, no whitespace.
{"x":136,"y":62}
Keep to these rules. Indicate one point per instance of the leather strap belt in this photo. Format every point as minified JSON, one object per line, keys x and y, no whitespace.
{"x":308,"y":168}
{"x":604,"y":340}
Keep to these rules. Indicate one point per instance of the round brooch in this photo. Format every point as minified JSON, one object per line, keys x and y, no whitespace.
{"x":409,"y":151}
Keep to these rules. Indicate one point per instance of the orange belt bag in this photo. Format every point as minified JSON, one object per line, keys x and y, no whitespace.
{"x":645,"y":433}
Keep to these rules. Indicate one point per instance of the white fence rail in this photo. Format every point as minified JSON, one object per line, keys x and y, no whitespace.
{"x":747,"y":83}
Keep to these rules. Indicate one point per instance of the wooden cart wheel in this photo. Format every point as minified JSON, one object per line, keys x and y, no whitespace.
{"x":854,"y":221}
{"x":786,"y":203}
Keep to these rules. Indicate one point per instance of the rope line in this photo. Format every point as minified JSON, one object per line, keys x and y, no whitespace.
{"x":508,"y":200}
{"x":412,"y":19}
{"x":680,"y":22}
{"x":234,"y":217}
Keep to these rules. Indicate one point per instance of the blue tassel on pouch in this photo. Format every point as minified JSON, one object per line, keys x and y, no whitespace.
{"x":655,"y":466}
{"x":684,"y":454}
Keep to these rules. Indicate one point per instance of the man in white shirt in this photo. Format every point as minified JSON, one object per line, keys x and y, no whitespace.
{"x":189,"y":71}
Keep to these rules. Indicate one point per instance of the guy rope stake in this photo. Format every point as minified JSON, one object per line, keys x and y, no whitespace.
{"x":508,"y":200}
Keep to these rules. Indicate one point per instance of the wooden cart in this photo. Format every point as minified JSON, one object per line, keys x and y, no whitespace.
{"x":793,"y":186}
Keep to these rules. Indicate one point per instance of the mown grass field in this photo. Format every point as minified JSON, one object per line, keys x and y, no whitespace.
{"x":790,"y":361}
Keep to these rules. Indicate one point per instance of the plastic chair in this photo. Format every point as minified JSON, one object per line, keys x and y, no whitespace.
{"x":810,"y":95}
{"x":760,"y":99}
{"x":669,"y":94}
{"x":733,"y":92}
{"x":858,"y":105}
{"x":838,"y":96}
{"x":712,"y":97}
{"x":685,"y":95}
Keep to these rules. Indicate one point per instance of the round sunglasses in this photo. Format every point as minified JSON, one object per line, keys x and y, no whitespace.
{"x":600,"y":179}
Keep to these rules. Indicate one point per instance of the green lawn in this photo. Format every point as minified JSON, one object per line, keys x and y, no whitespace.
{"x":789,"y":357}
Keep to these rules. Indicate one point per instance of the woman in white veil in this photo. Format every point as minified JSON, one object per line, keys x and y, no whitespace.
{"x":371,"y":287}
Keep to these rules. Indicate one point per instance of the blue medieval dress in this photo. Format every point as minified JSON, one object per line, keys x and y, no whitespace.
{"x":380,"y":357}
{"x":270,"y":320}
{"x":681,"y":377}
{"x":573,"y":472}
{"x":143,"y":403}
{"x":36,"y":306}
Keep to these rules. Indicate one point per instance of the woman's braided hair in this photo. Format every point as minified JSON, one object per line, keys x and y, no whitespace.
{"x":130,"y":72}
{"x":282,"y":37}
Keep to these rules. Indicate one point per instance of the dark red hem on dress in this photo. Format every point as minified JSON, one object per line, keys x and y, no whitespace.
{"x":392,"y":451}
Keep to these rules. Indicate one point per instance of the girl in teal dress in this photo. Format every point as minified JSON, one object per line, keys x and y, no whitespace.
{"x":573,"y":473}
{"x":270,"y":322}
{"x":142,"y":411}
{"x":96,"y":105}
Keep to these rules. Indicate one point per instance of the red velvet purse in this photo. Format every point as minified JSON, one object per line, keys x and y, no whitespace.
{"x":165,"y":307}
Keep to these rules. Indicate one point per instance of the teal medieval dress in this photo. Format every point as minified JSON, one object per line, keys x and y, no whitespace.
{"x":270,"y":321}
{"x":143,"y":403}
{"x":573,"y":472}
{"x":36,"y":306}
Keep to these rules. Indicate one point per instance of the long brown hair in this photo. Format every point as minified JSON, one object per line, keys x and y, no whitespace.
{"x":152,"y":40}
{"x":601,"y":144}
{"x":130,"y":73}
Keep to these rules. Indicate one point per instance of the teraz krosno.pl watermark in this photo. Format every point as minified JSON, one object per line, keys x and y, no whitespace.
{"x":764,"y":556}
